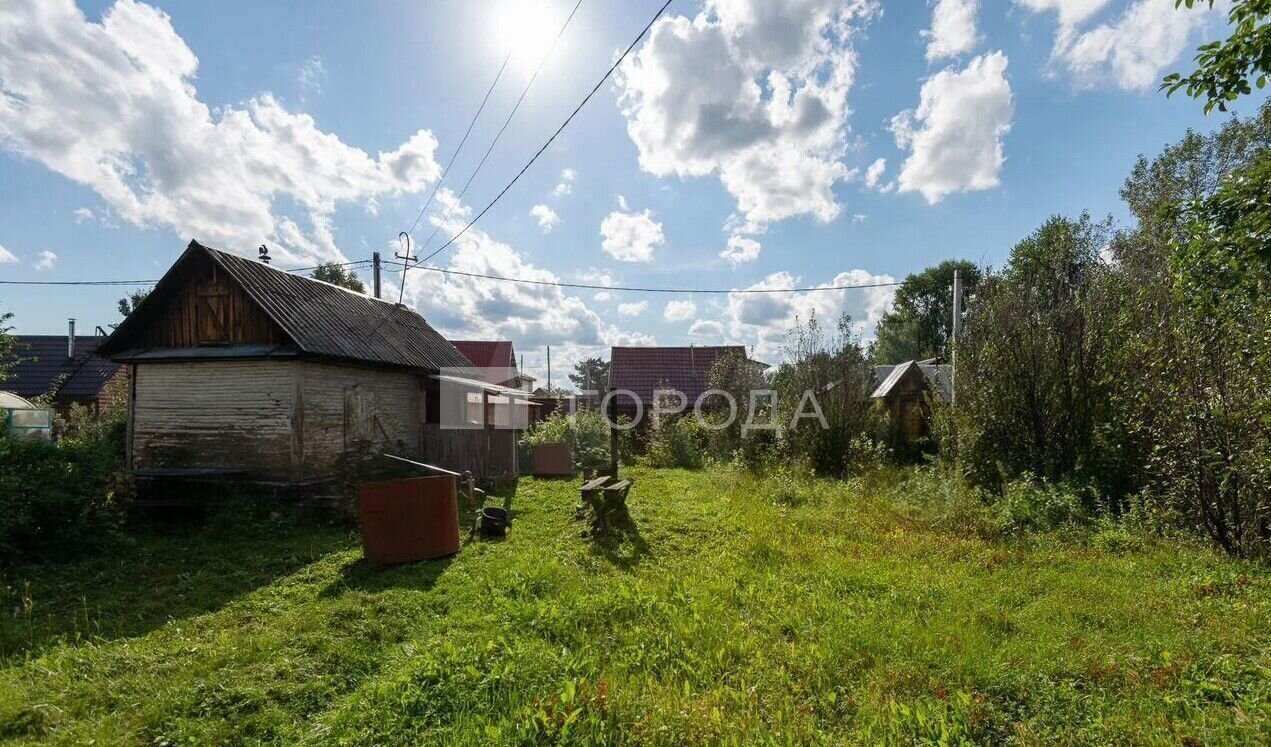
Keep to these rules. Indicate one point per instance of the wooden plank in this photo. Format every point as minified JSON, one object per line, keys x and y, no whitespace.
{"x":595,"y":483}
{"x":619,"y":486}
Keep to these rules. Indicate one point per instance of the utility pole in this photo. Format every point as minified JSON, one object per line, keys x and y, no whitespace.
{"x":375,"y":272}
{"x":957,"y":333}
{"x":549,"y":369}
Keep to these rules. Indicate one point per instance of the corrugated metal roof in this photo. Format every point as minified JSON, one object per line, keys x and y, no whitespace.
{"x":493,"y":357}
{"x":938,"y":377}
{"x":42,"y":364}
{"x":322,"y":320}
{"x":642,"y":370}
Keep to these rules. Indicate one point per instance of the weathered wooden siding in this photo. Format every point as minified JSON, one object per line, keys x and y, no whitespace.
{"x":215,"y":414}
{"x":347,"y":411}
{"x":487,"y":452}
{"x":210,"y":310}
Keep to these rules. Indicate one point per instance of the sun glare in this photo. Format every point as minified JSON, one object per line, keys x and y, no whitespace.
{"x":527,"y":27}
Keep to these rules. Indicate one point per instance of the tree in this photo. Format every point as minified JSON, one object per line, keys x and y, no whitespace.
{"x":590,"y":374}
{"x":1030,"y":382}
{"x":1224,"y":68}
{"x":8,"y":346}
{"x":337,"y":274}
{"x":917,"y":326}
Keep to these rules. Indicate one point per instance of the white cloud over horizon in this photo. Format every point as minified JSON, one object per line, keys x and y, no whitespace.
{"x":764,"y":320}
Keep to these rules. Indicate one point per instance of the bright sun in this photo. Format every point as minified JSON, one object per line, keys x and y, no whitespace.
{"x":527,"y":27}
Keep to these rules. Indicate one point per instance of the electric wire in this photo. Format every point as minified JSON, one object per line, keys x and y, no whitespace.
{"x":608,"y":74}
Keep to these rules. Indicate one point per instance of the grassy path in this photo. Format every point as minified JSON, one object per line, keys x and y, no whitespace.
{"x":724,"y":617}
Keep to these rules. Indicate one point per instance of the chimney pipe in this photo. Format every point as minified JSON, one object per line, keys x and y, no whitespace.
{"x":70,"y":337}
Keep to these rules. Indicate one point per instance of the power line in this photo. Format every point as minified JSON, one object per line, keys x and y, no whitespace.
{"x":630,"y":289}
{"x":608,"y":74}
{"x":524,"y":92}
{"x":463,"y":140}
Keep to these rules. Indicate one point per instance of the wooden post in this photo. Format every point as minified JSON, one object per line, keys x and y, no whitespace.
{"x":375,"y":272}
{"x":613,"y":437}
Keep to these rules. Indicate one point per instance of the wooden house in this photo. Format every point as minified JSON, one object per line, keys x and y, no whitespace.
{"x":906,"y":391}
{"x":239,"y":369}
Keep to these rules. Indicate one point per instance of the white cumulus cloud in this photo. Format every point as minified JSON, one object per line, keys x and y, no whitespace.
{"x":631,"y":237}
{"x":763,"y":320}
{"x":955,"y":136}
{"x":7,"y":257}
{"x":546,"y":217}
{"x":45,"y":260}
{"x":679,"y":311}
{"x":112,"y":105}
{"x":706,"y":328}
{"x":751,"y":90}
{"x":1134,"y":51}
{"x":633,"y":309}
{"x":953,"y":29}
{"x":566,"y":183}
{"x":465,"y":307}
{"x":875,"y":173}
{"x":1069,"y":12}
{"x":740,"y":250}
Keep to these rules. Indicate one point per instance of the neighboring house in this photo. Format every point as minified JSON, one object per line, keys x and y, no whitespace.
{"x":906,"y":390}
{"x":497,"y":361}
{"x":66,"y":369}
{"x":239,"y":369}
{"x":646,"y":371}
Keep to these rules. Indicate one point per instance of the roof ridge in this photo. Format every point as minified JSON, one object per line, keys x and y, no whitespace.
{"x":289,"y":274}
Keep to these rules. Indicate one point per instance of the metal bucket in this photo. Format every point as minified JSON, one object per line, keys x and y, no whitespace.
{"x":494,"y":522}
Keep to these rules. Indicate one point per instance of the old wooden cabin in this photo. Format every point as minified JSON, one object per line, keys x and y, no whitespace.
{"x":242,"y":370}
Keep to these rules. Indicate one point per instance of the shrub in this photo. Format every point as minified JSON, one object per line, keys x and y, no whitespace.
{"x":56,"y":498}
{"x":677,"y":442}
{"x":1031,"y":505}
{"x":587,"y":432}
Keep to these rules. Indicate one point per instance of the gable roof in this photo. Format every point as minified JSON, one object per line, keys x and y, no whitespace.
{"x":642,"y":370}
{"x":321,"y":319}
{"x":489,"y":354}
{"x":936,"y":377}
{"x":43,"y":368}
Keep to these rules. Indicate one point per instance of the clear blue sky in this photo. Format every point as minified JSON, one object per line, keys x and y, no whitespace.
{"x":740,"y":127}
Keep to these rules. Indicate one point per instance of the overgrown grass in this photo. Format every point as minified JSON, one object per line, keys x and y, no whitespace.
{"x":733,"y":611}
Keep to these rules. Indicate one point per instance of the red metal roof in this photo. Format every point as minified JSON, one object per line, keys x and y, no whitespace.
{"x":641,"y":370}
{"x":493,"y":357}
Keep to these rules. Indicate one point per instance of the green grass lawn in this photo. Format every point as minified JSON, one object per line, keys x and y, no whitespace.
{"x":722,"y":615}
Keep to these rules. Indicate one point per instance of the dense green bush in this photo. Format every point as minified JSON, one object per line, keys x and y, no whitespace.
{"x":677,"y":442}
{"x":587,"y":432}
{"x":56,"y":498}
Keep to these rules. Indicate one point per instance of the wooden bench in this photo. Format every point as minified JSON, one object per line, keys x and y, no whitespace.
{"x":605,"y":499}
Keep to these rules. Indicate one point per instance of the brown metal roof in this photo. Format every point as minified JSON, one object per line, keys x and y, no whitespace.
{"x":42,"y":367}
{"x":322,"y":320}
{"x":641,"y":370}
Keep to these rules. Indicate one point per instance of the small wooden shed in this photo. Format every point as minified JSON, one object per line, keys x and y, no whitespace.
{"x":241,"y":368}
{"x":907,"y":390}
